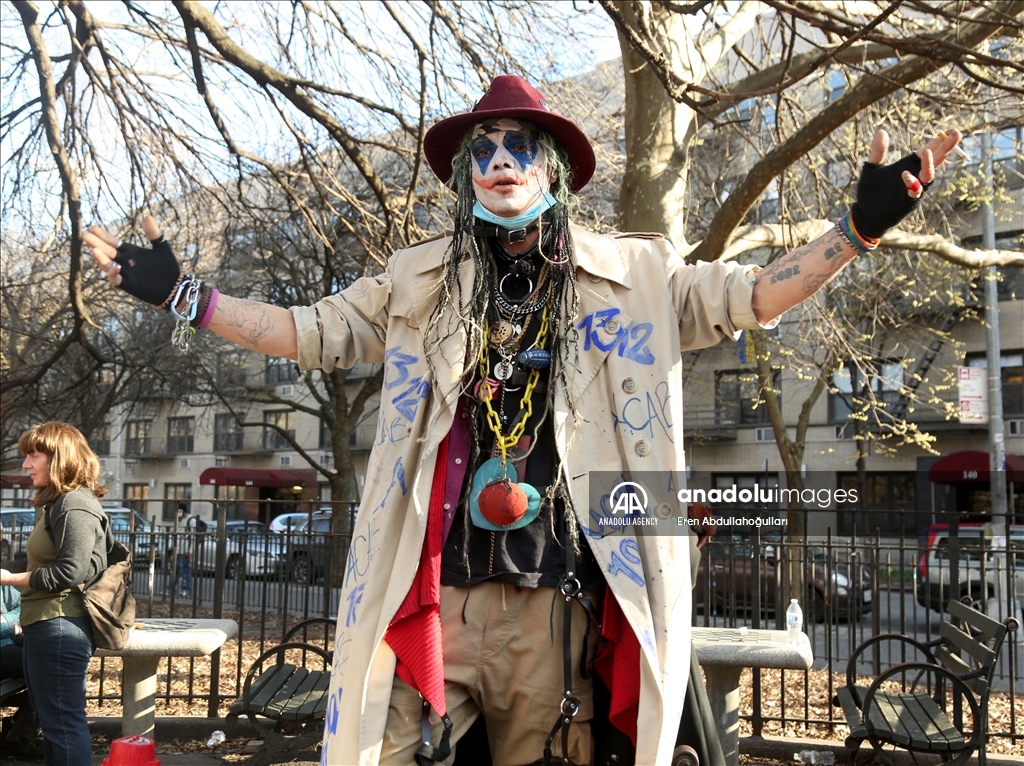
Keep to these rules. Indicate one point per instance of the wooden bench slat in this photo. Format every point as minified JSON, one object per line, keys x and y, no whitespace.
{"x":990,"y":629}
{"x":981,"y":653}
{"x":934,"y":730}
{"x":274,"y":707}
{"x":885,"y":718}
{"x":278,"y":676}
{"x":320,"y":711}
{"x":852,"y":712}
{"x":955,"y":664}
{"x":304,"y":702}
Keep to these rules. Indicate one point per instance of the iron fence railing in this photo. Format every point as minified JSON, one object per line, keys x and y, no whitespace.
{"x":850,"y":589}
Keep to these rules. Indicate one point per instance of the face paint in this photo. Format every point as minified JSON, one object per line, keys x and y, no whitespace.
{"x":509,"y":166}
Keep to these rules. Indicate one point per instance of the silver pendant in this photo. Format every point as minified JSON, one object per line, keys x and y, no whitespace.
{"x":503,"y":370}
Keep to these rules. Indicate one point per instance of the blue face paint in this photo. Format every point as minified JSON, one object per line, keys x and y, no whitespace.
{"x":483,"y":150}
{"x":521,"y":146}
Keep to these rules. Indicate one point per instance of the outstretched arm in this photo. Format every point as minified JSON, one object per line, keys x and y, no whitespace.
{"x":251,"y":324}
{"x":881,"y":204}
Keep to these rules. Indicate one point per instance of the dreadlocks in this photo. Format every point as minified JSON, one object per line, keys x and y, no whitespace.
{"x":458,"y":308}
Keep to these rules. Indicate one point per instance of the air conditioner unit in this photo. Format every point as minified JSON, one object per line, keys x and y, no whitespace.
{"x":287,"y":390}
{"x":220,"y":462}
{"x":1015,"y":427}
{"x":185,"y":463}
{"x":286,"y":460}
{"x":326,"y":459}
{"x":764,"y":435}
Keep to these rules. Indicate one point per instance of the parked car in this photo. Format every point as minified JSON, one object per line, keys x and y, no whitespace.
{"x":842,"y":584}
{"x":977,"y":569}
{"x":289,"y":522}
{"x":251,"y":550}
{"x":124,"y":522}
{"x":17,"y":525}
{"x":309,"y":552}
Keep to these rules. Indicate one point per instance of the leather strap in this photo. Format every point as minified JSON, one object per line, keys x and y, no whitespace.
{"x":508,"y":236}
{"x":427,"y":754}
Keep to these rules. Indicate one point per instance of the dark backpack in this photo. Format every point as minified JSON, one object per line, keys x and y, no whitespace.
{"x":108,"y":595}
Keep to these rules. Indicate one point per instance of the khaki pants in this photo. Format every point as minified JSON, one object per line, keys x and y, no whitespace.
{"x":504,"y":660}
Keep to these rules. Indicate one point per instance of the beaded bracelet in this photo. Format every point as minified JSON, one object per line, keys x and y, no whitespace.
{"x":852,"y":237}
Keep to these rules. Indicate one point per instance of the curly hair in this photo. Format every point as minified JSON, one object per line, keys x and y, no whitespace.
{"x":73,"y":464}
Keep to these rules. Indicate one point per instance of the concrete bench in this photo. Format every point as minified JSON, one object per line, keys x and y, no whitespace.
{"x":150,"y":640}
{"x":723,"y":653}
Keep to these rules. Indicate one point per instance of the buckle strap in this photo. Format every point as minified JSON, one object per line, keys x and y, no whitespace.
{"x":509,"y":236}
{"x":427,"y":754}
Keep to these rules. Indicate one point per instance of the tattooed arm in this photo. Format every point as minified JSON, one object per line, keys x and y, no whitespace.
{"x":251,"y":324}
{"x":882,"y":201}
{"x":798,"y":275}
{"x":257,"y":326}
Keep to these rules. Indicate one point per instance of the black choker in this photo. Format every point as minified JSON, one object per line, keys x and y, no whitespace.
{"x":506,"y":235}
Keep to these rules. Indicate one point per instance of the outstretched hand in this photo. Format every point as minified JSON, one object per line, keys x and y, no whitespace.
{"x":150,"y":274}
{"x":886,"y":194}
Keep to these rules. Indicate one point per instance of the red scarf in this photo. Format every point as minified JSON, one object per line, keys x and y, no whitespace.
{"x":414,"y":634}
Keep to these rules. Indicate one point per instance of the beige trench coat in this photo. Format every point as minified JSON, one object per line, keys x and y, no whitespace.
{"x":631,"y":281}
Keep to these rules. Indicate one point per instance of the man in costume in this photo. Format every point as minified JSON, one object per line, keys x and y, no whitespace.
{"x":473,"y":584}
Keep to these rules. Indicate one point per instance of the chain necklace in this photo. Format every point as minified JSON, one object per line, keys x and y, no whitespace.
{"x":502,"y":441}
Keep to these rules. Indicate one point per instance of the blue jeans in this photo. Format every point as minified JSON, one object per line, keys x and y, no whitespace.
{"x":183,"y":574}
{"x":56,"y":657}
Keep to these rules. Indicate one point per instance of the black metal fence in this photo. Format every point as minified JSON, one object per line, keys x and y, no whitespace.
{"x":850,"y":589}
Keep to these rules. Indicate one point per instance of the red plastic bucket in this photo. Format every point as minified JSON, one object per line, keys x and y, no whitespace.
{"x":132,"y":751}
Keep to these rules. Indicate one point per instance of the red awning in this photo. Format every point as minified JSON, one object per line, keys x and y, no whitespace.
{"x":15,"y":481}
{"x":972,"y":467}
{"x":252,"y":477}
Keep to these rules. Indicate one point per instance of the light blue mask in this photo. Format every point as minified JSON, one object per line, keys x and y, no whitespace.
{"x":520,"y":221}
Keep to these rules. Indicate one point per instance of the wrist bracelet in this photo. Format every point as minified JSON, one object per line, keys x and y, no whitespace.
{"x":174,"y":291}
{"x":848,"y":232}
{"x":208,"y":314}
{"x":868,"y":242}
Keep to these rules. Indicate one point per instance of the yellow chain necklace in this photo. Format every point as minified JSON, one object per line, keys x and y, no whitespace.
{"x":503,"y":442}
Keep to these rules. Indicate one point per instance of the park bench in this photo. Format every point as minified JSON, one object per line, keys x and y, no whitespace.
{"x":288,"y":685}
{"x":936,"y":702}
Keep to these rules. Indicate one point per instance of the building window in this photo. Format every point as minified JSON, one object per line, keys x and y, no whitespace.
{"x":835,"y":85}
{"x":101,"y":440}
{"x":282,"y":420}
{"x":227,"y":434}
{"x":174,"y":494}
{"x":181,"y":434}
{"x":1012,"y":367}
{"x":231,"y":370}
{"x":739,"y":399}
{"x":888,"y":506}
{"x":281,"y":370}
{"x":138,"y":442}
{"x":136,"y":497}
{"x":325,"y":435}
{"x":847,"y":394}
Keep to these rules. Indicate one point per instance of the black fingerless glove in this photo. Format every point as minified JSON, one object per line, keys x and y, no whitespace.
{"x":882,"y":198}
{"x":148,"y":274}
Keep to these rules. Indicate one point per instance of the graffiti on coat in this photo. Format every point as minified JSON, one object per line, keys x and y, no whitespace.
{"x":409,"y":391}
{"x":629,"y":341}
{"x":626,"y":561}
{"x":648,"y":413}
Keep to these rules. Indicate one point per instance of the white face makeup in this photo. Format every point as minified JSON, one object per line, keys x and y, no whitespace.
{"x":509,"y":166}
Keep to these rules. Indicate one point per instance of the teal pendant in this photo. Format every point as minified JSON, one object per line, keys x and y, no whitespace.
{"x":493,"y":471}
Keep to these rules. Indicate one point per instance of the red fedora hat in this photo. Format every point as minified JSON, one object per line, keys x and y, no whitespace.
{"x":510,"y":96}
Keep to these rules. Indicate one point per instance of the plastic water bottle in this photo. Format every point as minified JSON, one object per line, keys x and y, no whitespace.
{"x":815,"y":757}
{"x":794,"y":622}
{"x":215,"y":739}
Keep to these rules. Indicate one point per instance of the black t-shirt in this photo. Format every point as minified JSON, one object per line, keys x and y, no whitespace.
{"x":533,"y":556}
